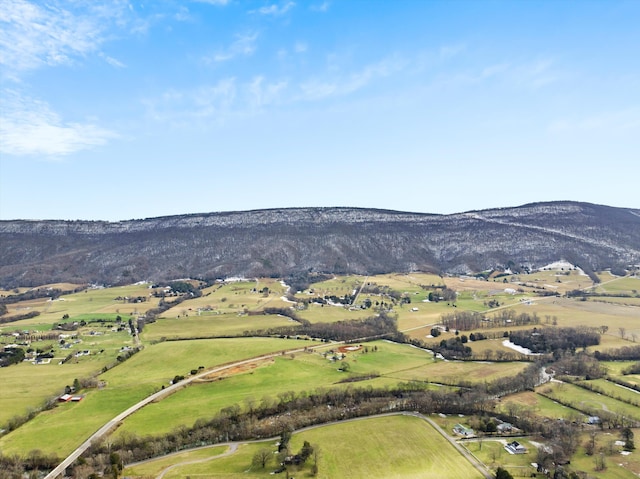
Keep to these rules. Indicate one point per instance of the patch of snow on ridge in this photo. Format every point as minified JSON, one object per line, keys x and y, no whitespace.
{"x":562,"y":264}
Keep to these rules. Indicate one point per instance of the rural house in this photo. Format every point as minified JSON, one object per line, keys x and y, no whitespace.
{"x":463,"y":430}
{"x":515,"y":448}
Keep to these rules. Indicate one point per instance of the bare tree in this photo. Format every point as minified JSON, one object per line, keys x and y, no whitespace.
{"x":261,"y":457}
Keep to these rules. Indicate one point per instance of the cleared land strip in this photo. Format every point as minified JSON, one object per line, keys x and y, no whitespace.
{"x":113,"y":423}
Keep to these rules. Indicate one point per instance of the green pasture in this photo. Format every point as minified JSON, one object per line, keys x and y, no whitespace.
{"x":573,"y":313}
{"x":589,"y":402}
{"x":338,"y":285}
{"x":613,"y":390}
{"x":491,"y":452}
{"x":559,"y":281}
{"x":473,"y":300}
{"x":611,"y":340}
{"x":408,"y":282}
{"x":236,"y":465}
{"x":382,"y":447}
{"x":633,"y":379}
{"x":155,"y":467}
{"x":318,"y":313}
{"x":531,"y":403}
{"x":27,"y":386}
{"x":480,"y":371}
{"x":489,"y":347}
{"x":90,"y":301}
{"x":611,"y":284}
{"x":210,"y":324}
{"x":615,"y":368}
{"x":233,"y":297}
{"x":625,"y":301}
{"x":385,"y":447}
{"x":427,"y":315}
{"x":306,"y":372}
{"x":67,"y":425}
{"x":617,"y":465}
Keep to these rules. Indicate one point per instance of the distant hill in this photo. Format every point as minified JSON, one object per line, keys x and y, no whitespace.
{"x":297,"y":241}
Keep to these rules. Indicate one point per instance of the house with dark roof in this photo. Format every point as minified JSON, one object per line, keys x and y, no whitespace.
{"x":515,"y":447}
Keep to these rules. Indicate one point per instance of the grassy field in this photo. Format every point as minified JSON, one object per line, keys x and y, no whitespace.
{"x":153,"y":468}
{"x":393,"y":362}
{"x":611,"y":284}
{"x":541,"y":406}
{"x":67,"y":425}
{"x":389,"y":447}
{"x":307,"y":372}
{"x":386,"y":447}
{"x":207,"y":324}
{"x":233,"y":298}
{"x":223,"y":309}
{"x":588,"y":401}
{"x":30,"y":385}
{"x":90,"y":301}
{"x":493,"y":453}
{"x":572,"y":313}
{"x":316,"y":313}
{"x":613,"y":390}
{"x":618,"y":466}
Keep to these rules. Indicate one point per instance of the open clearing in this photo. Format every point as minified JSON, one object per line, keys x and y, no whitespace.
{"x":382,"y":447}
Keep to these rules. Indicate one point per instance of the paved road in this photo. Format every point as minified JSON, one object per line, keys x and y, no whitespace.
{"x":113,"y":423}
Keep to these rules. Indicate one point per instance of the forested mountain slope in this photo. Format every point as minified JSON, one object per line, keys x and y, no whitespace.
{"x":284,"y":242}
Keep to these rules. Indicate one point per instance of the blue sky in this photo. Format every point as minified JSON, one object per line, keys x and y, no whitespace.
{"x":118,"y":110}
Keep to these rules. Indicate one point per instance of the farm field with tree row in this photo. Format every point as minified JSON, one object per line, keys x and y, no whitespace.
{"x":458,"y":349}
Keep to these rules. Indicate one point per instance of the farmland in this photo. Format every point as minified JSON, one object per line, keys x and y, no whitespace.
{"x":384,"y":447}
{"x":119,"y":358}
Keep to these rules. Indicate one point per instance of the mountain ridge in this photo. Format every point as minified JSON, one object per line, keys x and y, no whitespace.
{"x":293,"y":241}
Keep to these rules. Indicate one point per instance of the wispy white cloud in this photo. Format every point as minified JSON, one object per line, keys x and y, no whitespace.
{"x":244,"y":45}
{"x":215,"y":104}
{"x":614,"y":123}
{"x":320,"y":7}
{"x":183,"y":14}
{"x":274,"y":10}
{"x":30,"y":127}
{"x":35,"y":35}
{"x":112,"y":61}
{"x":536,"y":74}
{"x":204,"y":103}
{"x":214,"y":2}
{"x":449,"y":51}
{"x":300,"y":47}
{"x":344,"y":84}
{"x":231,"y":98}
{"x":532,"y":75}
{"x":264,"y":94}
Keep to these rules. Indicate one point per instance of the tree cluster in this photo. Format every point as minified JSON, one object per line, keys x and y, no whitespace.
{"x":625,"y":353}
{"x":554,"y":340}
{"x":346,"y":330}
{"x":10,"y":356}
